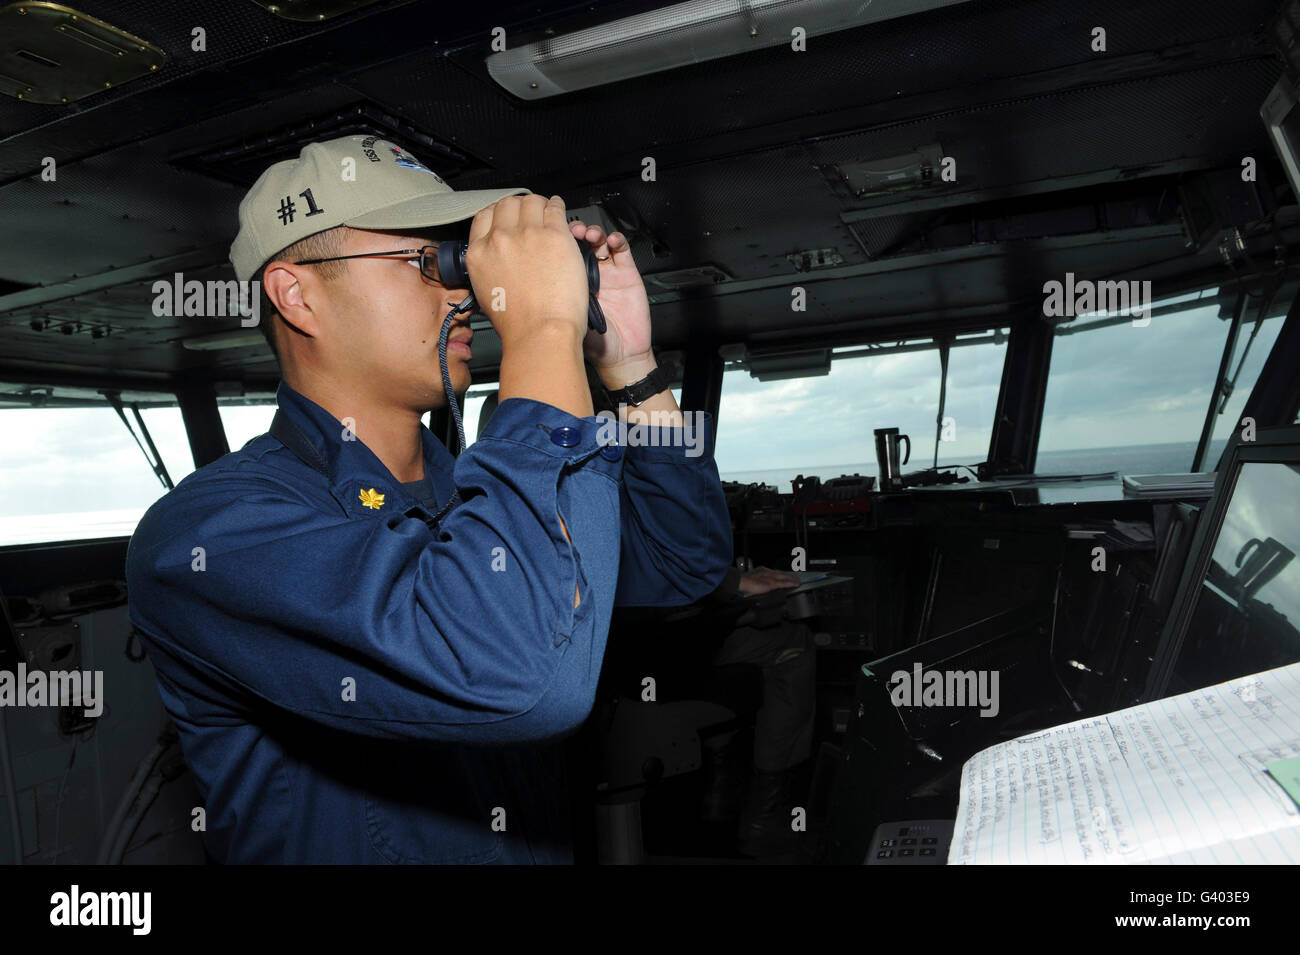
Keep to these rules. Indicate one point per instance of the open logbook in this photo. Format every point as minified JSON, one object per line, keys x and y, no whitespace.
{"x":1190,"y":779}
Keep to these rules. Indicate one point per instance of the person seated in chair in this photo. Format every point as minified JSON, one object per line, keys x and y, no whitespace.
{"x":783,"y":725}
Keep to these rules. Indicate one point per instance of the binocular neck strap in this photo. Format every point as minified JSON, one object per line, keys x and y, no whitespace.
{"x":466,"y":305}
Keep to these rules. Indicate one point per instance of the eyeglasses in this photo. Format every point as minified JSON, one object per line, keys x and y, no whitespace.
{"x":428,"y":259}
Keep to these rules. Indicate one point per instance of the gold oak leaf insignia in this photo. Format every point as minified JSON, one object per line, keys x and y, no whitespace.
{"x":372,"y":499}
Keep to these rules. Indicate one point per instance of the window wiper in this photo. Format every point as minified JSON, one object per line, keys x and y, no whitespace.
{"x":1227,"y":387}
{"x":1225,"y":384}
{"x":944,"y":345}
{"x":155,"y":462}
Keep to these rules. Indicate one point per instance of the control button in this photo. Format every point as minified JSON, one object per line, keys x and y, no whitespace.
{"x":566,"y":437}
{"x":611,"y":452}
{"x":902,"y":830}
{"x":929,"y":841}
{"x":886,"y":842}
{"x":909,"y":842}
{"x":885,"y":854}
{"x":927,"y":852}
{"x":907,"y":852}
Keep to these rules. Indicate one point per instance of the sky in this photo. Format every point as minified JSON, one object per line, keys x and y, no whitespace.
{"x":1114,"y":386}
{"x":1111,"y":387}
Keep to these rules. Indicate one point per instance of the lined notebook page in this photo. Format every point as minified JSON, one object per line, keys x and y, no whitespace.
{"x":1179,"y":780}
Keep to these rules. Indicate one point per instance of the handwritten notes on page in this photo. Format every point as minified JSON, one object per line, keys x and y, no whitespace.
{"x":1177,"y":781}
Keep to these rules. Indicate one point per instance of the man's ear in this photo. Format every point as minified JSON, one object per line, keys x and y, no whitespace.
{"x":284,"y":285}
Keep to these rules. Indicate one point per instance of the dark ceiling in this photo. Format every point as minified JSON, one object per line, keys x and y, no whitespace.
{"x":1067,"y":160}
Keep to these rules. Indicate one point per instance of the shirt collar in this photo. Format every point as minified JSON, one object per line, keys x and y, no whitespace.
{"x":357,"y":478}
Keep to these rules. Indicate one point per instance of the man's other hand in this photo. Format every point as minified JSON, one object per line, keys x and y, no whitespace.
{"x":760,"y":580}
{"x":623,"y":299}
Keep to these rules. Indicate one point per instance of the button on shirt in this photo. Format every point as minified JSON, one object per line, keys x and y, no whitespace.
{"x":353,"y":680}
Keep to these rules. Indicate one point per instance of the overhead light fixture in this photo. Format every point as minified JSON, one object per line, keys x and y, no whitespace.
{"x":878,"y":177}
{"x":679,"y":35}
{"x":1283,"y":121}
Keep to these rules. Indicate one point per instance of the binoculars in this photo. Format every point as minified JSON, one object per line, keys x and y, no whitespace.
{"x":453,"y":274}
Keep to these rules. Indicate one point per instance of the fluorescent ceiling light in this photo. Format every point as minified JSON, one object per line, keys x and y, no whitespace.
{"x":679,"y":35}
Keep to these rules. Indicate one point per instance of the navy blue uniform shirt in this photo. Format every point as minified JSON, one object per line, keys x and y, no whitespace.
{"x":352,"y":683}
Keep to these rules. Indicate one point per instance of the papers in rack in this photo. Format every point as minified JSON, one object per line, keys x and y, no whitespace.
{"x":1169,"y":485}
{"x":1177,"y":781}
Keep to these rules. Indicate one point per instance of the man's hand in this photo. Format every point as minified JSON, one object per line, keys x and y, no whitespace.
{"x":623,"y":355}
{"x":762,"y":579}
{"x":524,"y":267}
{"x":623,"y":299}
{"x":530,"y":282}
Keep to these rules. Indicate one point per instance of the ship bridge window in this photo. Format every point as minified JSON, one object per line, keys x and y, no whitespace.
{"x":77,"y":469}
{"x":244,"y":418}
{"x":472,"y":410}
{"x":1254,"y":340}
{"x":814,"y":414}
{"x":248,"y":417}
{"x":1131,"y":391}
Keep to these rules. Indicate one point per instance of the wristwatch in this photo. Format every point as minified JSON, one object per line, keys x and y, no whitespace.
{"x":639,"y":391}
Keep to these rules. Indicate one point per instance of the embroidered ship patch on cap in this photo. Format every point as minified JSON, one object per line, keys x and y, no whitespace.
{"x":410,"y":162}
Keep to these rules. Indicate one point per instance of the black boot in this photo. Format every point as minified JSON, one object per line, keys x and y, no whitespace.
{"x":764,"y":828}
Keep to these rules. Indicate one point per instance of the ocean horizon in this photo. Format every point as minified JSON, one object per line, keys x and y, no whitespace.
{"x":1173,"y":458}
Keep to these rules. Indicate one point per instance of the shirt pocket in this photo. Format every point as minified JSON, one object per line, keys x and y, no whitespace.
{"x":431,"y":810}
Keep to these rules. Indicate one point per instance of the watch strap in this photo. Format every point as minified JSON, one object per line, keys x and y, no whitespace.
{"x":639,"y":391}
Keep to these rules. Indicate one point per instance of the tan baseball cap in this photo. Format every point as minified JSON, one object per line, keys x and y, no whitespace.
{"x":358,"y":181}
